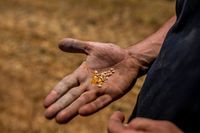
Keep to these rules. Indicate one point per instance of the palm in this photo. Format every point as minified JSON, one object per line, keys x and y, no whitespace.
{"x":76,"y":93}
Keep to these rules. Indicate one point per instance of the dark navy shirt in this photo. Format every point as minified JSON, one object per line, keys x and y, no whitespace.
{"x":171,"y":90}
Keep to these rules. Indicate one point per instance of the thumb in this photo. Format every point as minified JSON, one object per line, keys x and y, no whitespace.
{"x":117,"y":116}
{"x":115,"y":123}
{"x":75,"y":46}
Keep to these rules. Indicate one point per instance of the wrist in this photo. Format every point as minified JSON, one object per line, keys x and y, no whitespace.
{"x":144,"y":54}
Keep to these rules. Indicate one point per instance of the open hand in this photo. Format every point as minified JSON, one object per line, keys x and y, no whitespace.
{"x":76,"y":94}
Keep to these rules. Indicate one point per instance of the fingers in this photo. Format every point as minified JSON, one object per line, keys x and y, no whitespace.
{"x":72,"y":110}
{"x":96,"y":105}
{"x":75,"y":46}
{"x":64,"y":101}
{"x":62,"y":87}
{"x":105,"y":96}
{"x":115,"y":123}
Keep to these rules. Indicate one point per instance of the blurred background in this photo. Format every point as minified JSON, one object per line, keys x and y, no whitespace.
{"x":31,"y":64}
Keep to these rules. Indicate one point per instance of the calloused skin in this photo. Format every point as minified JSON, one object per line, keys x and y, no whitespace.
{"x":75,"y":94}
{"x":140,"y":125}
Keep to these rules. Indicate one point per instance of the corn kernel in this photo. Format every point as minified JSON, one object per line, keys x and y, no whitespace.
{"x":95,"y":71}
{"x":99,"y":85}
{"x":100,"y":78}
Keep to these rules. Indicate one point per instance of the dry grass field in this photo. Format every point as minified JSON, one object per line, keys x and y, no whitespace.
{"x":31,"y":64}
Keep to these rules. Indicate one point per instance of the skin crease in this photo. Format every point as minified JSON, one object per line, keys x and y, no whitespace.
{"x":75,"y":95}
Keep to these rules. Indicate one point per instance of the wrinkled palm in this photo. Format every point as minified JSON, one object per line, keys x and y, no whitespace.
{"x":76,"y":94}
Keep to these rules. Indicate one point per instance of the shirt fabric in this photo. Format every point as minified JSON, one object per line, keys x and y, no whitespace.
{"x":171,"y":90}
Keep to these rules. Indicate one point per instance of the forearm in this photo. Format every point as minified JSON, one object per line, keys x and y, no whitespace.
{"x":147,"y":50}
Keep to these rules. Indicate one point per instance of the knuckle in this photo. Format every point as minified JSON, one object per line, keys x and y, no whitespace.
{"x":72,"y":94}
{"x":94,"y":106}
{"x":85,"y":97}
{"x":59,"y":88}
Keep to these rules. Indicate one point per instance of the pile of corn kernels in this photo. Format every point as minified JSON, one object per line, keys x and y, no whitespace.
{"x":100,"y":78}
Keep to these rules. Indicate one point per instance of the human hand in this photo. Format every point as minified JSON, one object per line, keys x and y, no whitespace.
{"x":77,"y":93}
{"x":140,"y":125}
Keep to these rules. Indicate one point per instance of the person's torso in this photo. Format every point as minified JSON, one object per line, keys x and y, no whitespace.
{"x":172,"y":88}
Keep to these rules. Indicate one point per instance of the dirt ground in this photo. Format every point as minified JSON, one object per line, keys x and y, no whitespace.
{"x":31,"y":64}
